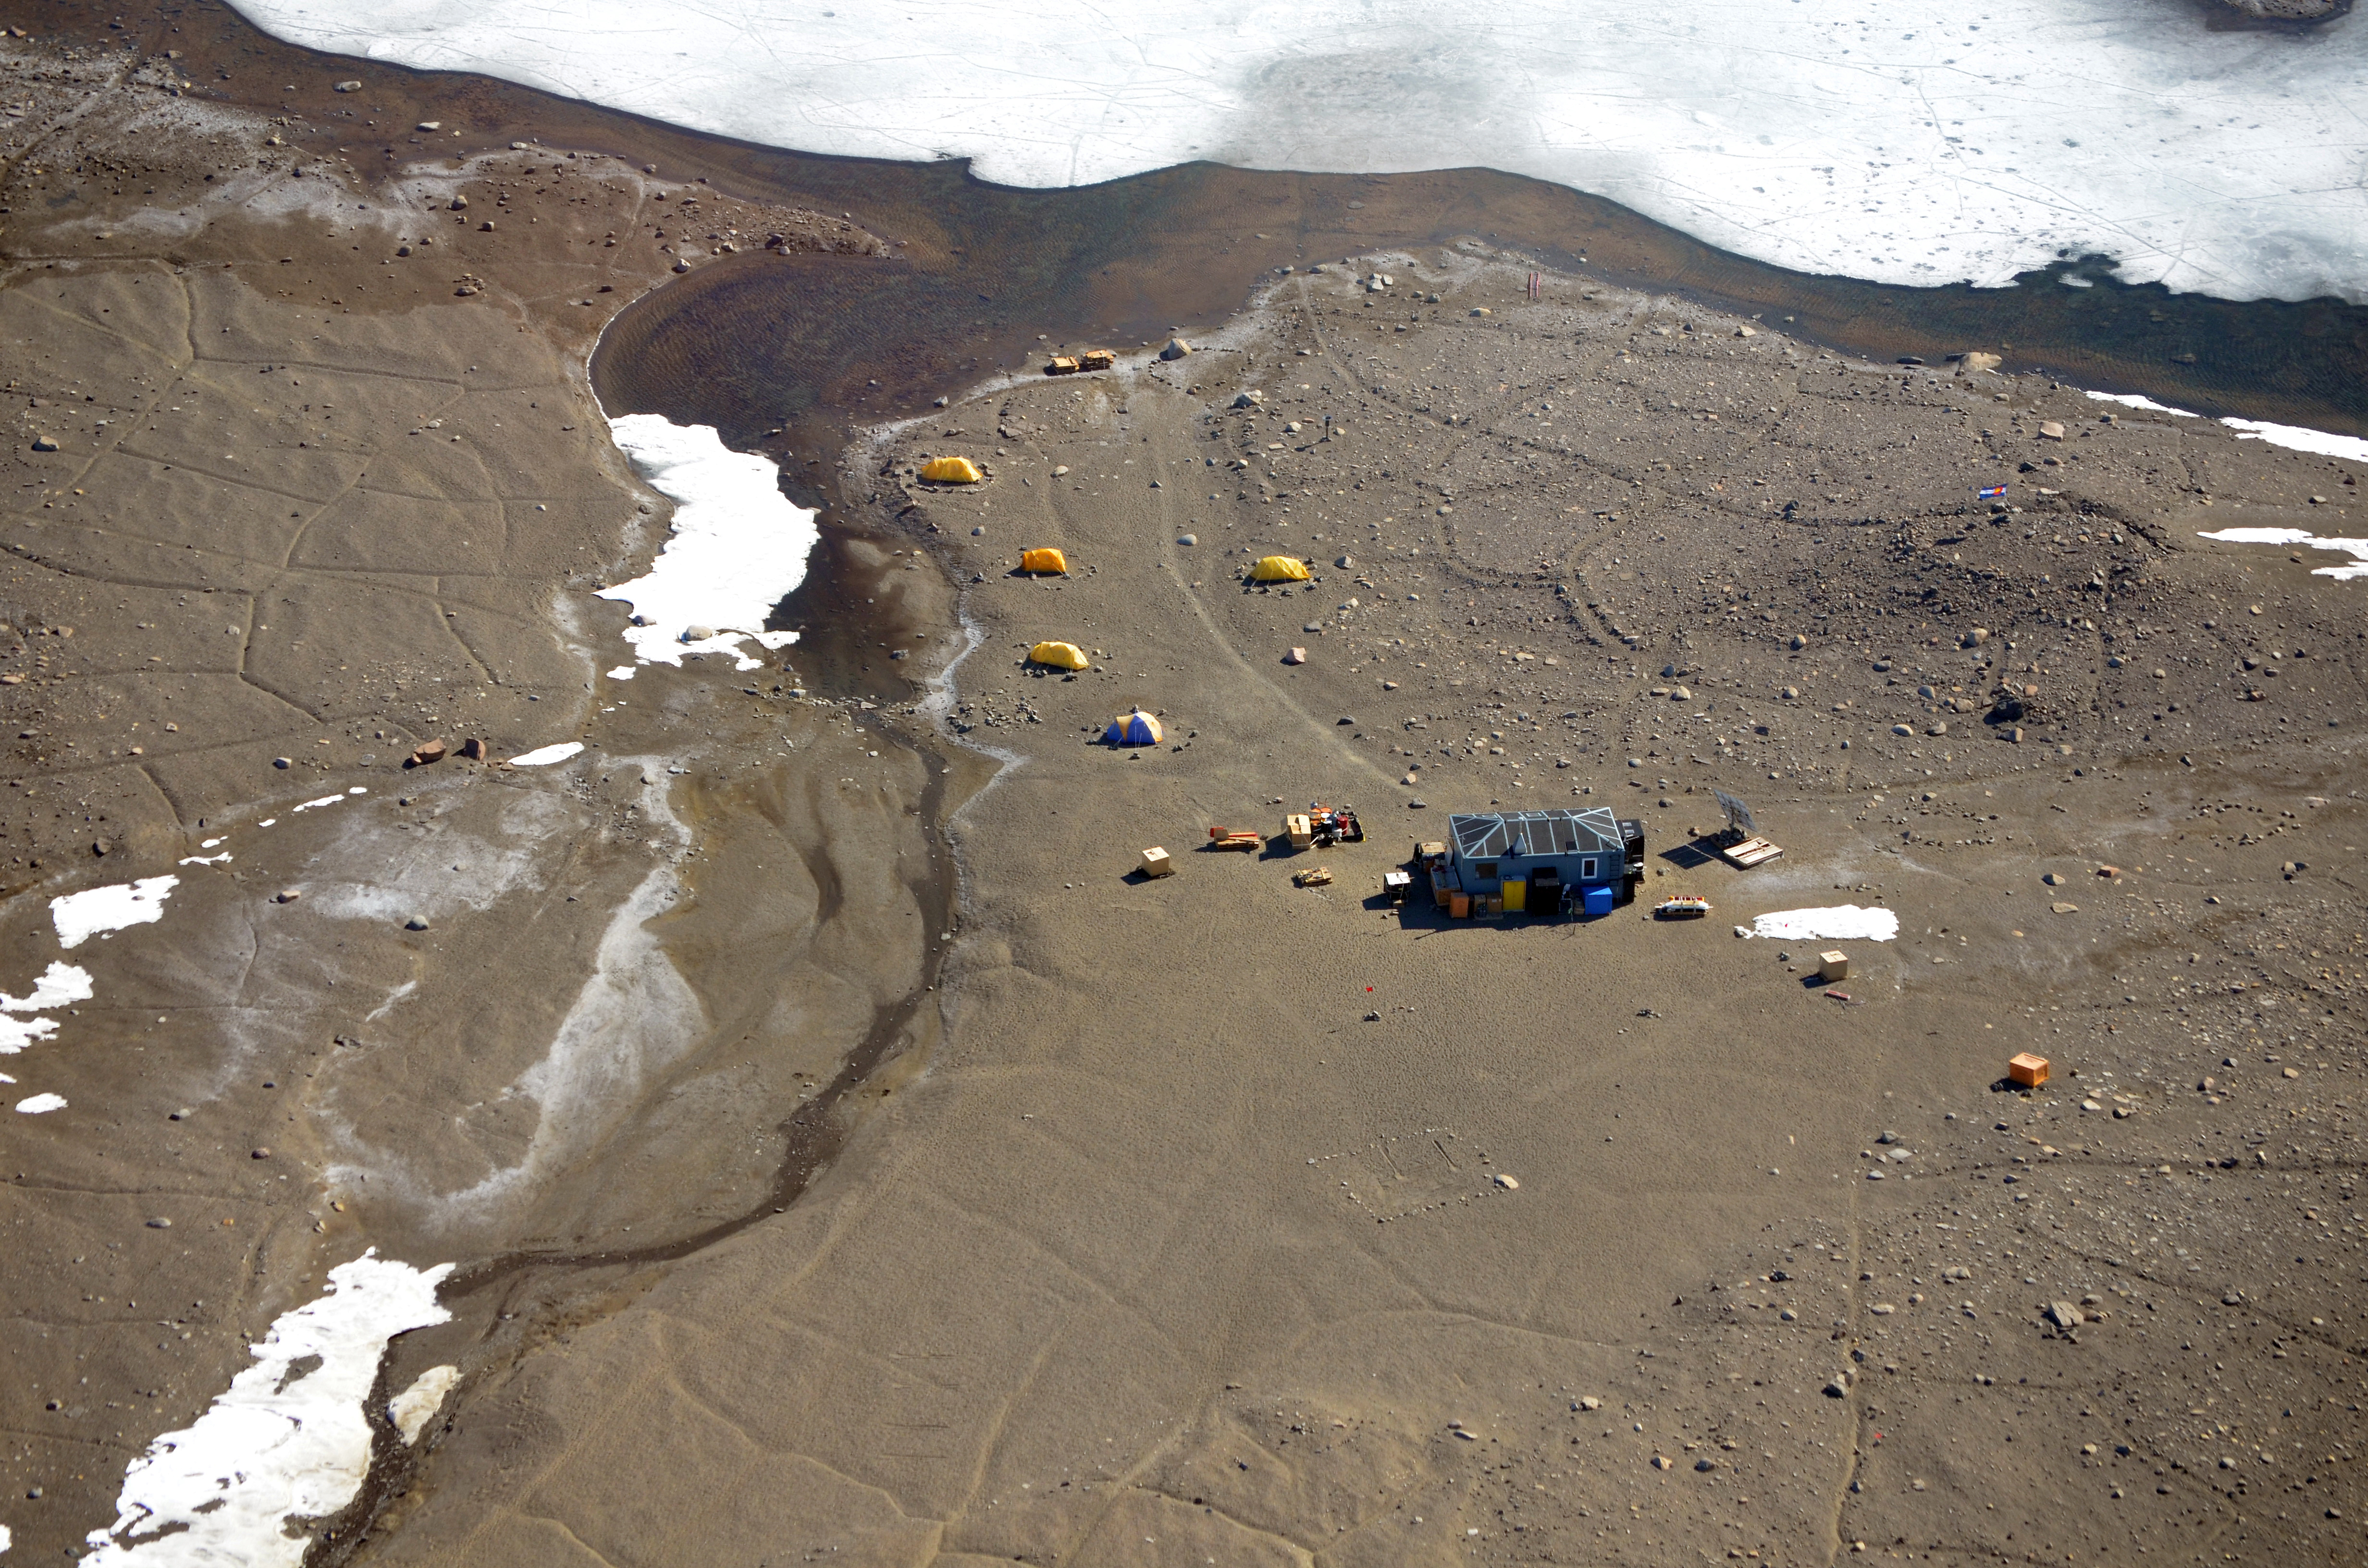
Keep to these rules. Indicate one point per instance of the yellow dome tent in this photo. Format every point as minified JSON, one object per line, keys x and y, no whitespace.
{"x":1059,"y":656}
{"x":1050,"y":561}
{"x":952,"y":471}
{"x":1278,"y":569}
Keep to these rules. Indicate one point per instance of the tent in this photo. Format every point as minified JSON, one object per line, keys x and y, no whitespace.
{"x":1278,"y":569}
{"x":1135,"y":729}
{"x":952,"y":471}
{"x":1044,"y":561}
{"x":1060,"y":655}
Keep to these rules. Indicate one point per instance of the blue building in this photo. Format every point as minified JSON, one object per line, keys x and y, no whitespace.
{"x":1541,"y":862}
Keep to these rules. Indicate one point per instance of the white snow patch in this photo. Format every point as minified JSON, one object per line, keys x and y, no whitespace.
{"x":1843,"y":923}
{"x":266,"y":822}
{"x":545,"y":756}
{"x":737,"y":549}
{"x":623,"y":672}
{"x":2138,"y":400}
{"x":324,"y":801}
{"x":206,"y":860}
{"x":16,"y":1034}
{"x":411,"y":1409}
{"x":2300,"y":439}
{"x":2355,"y":547}
{"x":38,"y":1105}
{"x":82,"y":915}
{"x":1913,"y":142}
{"x":3,"y":1538}
{"x":61,"y":985}
{"x":280,"y":1443}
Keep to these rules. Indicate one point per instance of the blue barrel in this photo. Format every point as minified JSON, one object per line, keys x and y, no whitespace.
{"x":1598,"y":900}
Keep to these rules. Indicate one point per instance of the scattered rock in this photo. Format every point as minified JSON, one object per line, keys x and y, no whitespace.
{"x":347,"y":87}
{"x":431,"y":125}
{"x":1681,"y":694}
{"x":2065,"y":908}
{"x":1747,"y":332}
{"x":1588,"y":1402}
{"x":1344,"y":563}
{"x":1977,"y":362}
{"x":1296,"y":657}
{"x":1188,"y":539}
{"x":1508,"y":1183}
{"x":458,"y":204}
{"x":2064,"y":1314}
{"x":425,"y":753}
{"x":259,"y":1153}
{"x":1704,"y":1466}
{"x":160,"y":1224}
{"x":416,"y":923}
{"x":2051,"y":431}
{"x":1176,"y":349}
{"x":1662,"y":1461}
{"x":697,"y":633}
{"x":1248,"y":399}
{"x":281,"y":762}
{"x":473,"y":749}
{"x":44,"y":443}
{"x":288,"y":895}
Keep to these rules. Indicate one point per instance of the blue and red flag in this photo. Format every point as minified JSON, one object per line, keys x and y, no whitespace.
{"x":1992,"y":491}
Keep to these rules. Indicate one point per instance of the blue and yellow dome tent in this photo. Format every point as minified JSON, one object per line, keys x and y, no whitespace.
{"x":1135,"y":729}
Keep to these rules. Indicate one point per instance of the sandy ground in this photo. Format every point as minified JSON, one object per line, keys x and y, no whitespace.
{"x":304,"y":471}
{"x":1190,"y":1246}
{"x":1169,"y":1227}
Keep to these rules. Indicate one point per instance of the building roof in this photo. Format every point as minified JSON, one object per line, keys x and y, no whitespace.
{"x":1499,"y":834}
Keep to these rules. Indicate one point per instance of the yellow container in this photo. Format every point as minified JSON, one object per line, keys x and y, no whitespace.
{"x":1516,"y":898}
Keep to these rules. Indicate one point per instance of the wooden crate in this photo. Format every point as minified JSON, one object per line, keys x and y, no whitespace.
{"x":2027,"y":1070}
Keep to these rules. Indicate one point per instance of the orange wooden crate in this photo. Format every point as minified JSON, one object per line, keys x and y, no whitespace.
{"x":2027,"y":1070}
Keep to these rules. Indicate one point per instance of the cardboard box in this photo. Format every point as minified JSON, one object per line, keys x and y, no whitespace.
{"x":1833,"y":967}
{"x":1301,"y":831}
{"x":1156,"y":863}
{"x":2027,"y":1070}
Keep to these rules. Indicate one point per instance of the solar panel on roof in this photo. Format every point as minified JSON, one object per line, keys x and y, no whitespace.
{"x":1492,"y":835}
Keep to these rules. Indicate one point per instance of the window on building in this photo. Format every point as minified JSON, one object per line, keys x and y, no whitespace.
{"x":1586,"y":867}
{"x":1485,"y":870}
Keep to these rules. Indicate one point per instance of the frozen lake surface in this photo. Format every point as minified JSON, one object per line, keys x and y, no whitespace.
{"x":1911,"y":143}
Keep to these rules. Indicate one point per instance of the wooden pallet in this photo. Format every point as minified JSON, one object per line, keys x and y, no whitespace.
{"x":1749,"y":853}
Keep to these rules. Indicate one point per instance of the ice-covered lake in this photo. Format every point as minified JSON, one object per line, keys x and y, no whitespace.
{"x":1901,"y":143}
